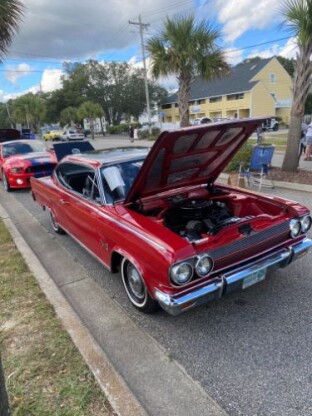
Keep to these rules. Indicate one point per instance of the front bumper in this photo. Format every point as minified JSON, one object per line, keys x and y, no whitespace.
{"x":231,"y":281}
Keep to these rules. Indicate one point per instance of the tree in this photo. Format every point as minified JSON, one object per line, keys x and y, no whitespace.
{"x":5,"y":121}
{"x":308,"y":105}
{"x":288,"y":63}
{"x":69,"y":116}
{"x":90,"y":111}
{"x":11,"y":12}
{"x":298,"y":19}
{"x":29,"y":110}
{"x":188,"y":50}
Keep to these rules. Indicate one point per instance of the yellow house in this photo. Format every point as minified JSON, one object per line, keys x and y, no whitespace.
{"x":255,"y":89}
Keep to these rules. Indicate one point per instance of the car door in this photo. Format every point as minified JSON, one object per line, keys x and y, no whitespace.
{"x":79,"y":206}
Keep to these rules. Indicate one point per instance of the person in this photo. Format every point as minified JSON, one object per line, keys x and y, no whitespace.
{"x":131,"y":133}
{"x":308,"y":149}
{"x":259,"y":134}
{"x":303,"y":139}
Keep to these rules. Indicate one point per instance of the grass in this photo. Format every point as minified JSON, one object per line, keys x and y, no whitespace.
{"x":45,"y":374}
{"x":278,"y":139}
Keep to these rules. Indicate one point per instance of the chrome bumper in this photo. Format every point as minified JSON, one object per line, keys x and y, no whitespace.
{"x":175,"y":304}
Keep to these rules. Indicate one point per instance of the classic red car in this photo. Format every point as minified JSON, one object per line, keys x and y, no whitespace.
{"x":159,"y":217}
{"x":22,"y":159}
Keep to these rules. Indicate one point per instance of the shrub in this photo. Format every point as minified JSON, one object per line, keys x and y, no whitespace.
{"x":242,"y":156}
{"x":118,"y":129}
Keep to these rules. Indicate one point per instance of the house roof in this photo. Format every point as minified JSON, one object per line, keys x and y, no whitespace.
{"x":237,"y":81}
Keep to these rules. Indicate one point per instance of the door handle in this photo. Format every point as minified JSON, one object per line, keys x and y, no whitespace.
{"x":64,"y":202}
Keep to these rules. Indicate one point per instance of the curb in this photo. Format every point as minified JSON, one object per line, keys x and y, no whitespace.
{"x":113,"y":386}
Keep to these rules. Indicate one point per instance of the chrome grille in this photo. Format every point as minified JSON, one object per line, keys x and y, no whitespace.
{"x":250,"y":245}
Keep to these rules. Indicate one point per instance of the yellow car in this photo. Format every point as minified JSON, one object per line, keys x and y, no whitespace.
{"x":52,"y":135}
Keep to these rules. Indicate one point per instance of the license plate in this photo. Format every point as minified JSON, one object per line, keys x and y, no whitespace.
{"x":254,"y":278}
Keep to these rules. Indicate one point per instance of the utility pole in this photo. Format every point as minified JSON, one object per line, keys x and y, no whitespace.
{"x":143,"y":26}
{"x":9,"y":115}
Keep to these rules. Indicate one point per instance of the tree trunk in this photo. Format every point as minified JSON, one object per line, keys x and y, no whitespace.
{"x":300,"y":93}
{"x":92,"y":127}
{"x":291,"y":159}
{"x":184,"y":95}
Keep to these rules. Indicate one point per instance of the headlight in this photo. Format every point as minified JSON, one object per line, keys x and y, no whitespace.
{"x":204,"y":266}
{"x":295,"y":228}
{"x":181,"y":273}
{"x":16,"y":170}
{"x":305,"y":223}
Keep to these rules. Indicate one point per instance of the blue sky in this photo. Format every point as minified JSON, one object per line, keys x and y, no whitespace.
{"x":75,"y":30}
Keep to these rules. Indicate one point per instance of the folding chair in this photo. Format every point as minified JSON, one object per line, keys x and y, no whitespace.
{"x":259,"y":166}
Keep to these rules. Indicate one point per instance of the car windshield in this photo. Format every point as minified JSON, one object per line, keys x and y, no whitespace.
{"x":21,"y":148}
{"x":118,"y":179}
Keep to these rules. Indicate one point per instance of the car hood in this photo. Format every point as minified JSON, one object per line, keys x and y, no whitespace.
{"x":190,"y":156}
{"x":32,"y":158}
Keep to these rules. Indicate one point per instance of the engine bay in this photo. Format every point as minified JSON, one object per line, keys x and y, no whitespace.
{"x":194,"y":218}
{"x":196,"y":215}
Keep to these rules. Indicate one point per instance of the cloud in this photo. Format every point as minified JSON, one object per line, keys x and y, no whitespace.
{"x":78,"y":30}
{"x":237,"y":17}
{"x":51,"y":80}
{"x":287,"y":51}
{"x":14,"y":72}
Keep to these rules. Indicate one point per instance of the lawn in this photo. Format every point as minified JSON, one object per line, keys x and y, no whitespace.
{"x":45,"y":373}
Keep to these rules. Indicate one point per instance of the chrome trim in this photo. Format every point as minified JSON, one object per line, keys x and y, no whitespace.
{"x":175,"y":304}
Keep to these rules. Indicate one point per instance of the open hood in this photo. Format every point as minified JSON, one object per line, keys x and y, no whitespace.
{"x":71,"y":148}
{"x":191,"y":156}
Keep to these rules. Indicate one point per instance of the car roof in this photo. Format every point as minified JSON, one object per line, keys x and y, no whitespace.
{"x":98,"y":158}
{"x":21,"y":141}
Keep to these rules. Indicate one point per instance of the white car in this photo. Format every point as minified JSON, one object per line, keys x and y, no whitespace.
{"x":72,"y":134}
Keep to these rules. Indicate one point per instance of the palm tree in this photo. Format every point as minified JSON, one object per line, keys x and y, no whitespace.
{"x":187,"y":49}
{"x":298,"y":19}
{"x":11,"y":12}
{"x":90,"y":111}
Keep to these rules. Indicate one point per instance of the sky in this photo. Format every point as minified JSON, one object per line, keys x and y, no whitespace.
{"x":75,"y":30}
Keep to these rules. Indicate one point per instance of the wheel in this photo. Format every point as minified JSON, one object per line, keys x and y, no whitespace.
{"x":55,"y":224}
{"x":136,"y":289}
{"x":275,"y":128}
{"x":5,"y":182}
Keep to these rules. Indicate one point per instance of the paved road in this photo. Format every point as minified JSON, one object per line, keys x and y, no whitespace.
{"x":250,"y":351}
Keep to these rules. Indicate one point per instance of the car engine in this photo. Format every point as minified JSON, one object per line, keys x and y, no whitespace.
{"x":193,"y":219}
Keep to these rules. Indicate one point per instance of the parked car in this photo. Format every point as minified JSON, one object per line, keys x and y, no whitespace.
{"x":27,"y":134}
{"x":71,"y":134}
{"x":202,"y":120}
{"x":22,"y":159}
{"x":270,"y":124}
{"x":52,"y":135}
{"x":178,"y":237}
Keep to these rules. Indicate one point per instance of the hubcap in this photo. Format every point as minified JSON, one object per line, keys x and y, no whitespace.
{"x":135,"y":283}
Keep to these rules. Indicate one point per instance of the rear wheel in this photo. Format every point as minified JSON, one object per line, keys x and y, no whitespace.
{"x":5,"y":182}
{"x":136,"y":288}
{"x":55,"y":224}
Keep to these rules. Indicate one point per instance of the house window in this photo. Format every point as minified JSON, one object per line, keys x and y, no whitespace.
{"x":202,"y":101}
{"x":192,"y":102}
{"x":272,"y":78}
{"x":215,"y":99}
{"x":232,"y":97}
{"x":166,"y":106}
{"x":176,"y":105}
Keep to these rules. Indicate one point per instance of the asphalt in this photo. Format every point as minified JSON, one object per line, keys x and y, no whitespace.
{"x":136,"y":373}
{"x":138,"y":376}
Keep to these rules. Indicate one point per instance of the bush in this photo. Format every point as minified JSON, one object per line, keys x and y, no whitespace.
{"x":118,"y":129}
{"x":242,"y":156}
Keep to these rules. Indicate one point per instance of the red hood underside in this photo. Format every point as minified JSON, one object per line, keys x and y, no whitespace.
{"x":191,"y":156}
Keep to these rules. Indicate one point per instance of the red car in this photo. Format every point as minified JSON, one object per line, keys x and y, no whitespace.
{"x":22,"y":159}
{"x":178,"y":238}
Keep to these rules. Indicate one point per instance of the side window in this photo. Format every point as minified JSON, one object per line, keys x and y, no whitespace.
{"x":91,"y":188}
{"x":78,"y":178}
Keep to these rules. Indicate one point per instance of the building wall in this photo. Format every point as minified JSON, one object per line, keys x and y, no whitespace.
{"x":262,"y":103}
{"x":271,"y":96}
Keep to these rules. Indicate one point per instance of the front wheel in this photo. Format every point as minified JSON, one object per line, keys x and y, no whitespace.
{"x":136,"y":289}
{"x":5,"y":181}
{"x":55,"y":224}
